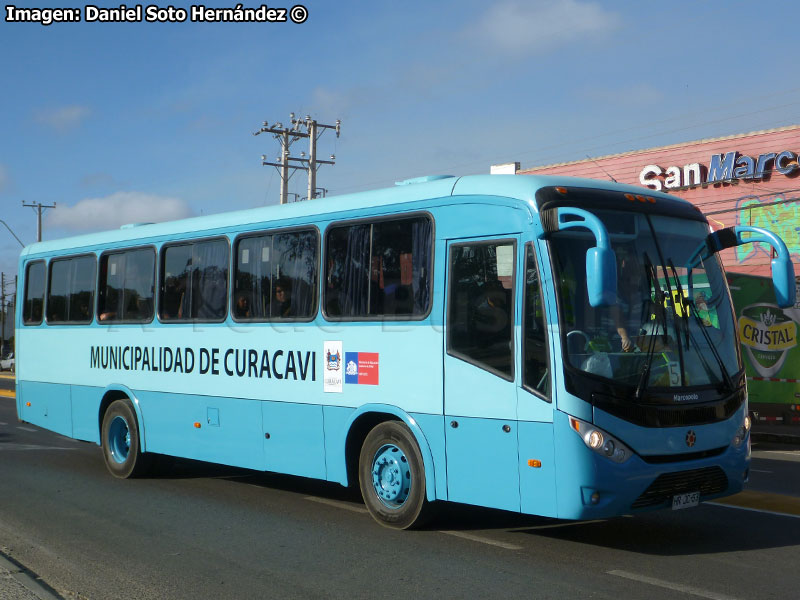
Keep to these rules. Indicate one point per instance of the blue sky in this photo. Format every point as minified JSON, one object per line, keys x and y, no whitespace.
{"x":152,"y":121}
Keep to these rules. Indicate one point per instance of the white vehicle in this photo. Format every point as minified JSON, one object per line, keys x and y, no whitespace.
{"x":7,"y":363}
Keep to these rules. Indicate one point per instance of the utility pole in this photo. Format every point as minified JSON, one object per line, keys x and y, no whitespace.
{"x":3,"y":312}
{"x":286,"y":136}
{"x":39,"y":208}
{"x":4,"y":307}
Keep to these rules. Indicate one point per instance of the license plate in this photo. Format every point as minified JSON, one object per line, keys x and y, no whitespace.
{"x":685,"y":500}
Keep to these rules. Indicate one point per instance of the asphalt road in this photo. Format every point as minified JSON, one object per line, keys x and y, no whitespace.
{"x":201,"y":531}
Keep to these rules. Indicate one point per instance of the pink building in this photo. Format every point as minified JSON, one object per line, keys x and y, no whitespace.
{"x":745,"y":179}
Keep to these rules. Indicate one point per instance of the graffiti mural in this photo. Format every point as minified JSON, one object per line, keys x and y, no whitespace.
{"x":775,"y":213}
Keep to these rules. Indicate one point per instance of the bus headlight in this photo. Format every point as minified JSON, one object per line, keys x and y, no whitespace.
{"x":741,"y":433}
{"x":600,"y":441}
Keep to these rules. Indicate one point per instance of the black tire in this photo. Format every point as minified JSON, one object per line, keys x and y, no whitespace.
{"x":390,"y":461}
{"x":120,"y":441}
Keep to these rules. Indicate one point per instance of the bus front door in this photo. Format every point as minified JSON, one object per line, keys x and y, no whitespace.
{"x":480,"y":404}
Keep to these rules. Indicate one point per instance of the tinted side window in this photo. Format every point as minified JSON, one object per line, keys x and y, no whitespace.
{"x":379,"y":269}
{"x":194,"y":281}
{"x":536,"y":373}
{"x":125,"y":288}
{"x":33,"y":307}
{"x":480,"y":312}
{"x":70,"y":295}
{"x":275,"y":276}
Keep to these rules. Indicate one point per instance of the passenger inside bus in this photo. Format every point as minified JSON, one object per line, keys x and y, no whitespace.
{"x":283,"y":299}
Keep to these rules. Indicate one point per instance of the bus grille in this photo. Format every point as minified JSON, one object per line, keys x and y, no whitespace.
{"x":655,"y":459}
{"x":707,"y":481}
{"x":669,"y":416}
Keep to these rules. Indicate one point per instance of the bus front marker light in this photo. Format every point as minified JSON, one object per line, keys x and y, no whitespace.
{"x":595,"y":498}
{"x":608,"y":448}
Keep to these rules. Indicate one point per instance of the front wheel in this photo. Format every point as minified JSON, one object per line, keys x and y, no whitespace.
{"x":391,"y":475}
{"x":120,"y":441}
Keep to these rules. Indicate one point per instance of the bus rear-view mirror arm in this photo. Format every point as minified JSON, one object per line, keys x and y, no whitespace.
{"x":782,"y":268}
{"x":601,"y":263}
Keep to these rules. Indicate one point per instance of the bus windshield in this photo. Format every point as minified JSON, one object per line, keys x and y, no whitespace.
{"x":672,"y":324}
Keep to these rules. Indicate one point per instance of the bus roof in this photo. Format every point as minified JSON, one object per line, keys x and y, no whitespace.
{"x":514,"y":187}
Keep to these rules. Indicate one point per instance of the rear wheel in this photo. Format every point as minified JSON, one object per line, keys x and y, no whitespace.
{"x":120,"y":441}
{"x":391,"y":475}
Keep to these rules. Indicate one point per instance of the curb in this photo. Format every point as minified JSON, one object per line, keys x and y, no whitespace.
{"x":27,"y":578}
{"x":775,"y":438}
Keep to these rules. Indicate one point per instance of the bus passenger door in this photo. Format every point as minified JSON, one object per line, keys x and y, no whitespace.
{"x":480,"y":396}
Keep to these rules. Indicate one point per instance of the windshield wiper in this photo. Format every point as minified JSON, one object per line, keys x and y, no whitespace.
{"x":658,"y":309}
{"x":694,"y":310}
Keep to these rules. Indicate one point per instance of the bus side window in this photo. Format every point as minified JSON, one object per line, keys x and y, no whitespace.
{"x":125,"y":288}
{"x":70,"y":295}
{"x":535,"y":374}
{"x":194,"y":281}
{"x":480,"y":305}
{"x":34,"y":293}
{"x":275,"y":276}
{"x":379,"y":269}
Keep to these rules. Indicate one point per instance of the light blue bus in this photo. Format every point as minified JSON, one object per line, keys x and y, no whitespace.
{"x":550,"y":346}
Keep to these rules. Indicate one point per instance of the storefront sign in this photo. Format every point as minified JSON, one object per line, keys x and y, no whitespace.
{"x":721,"y":168}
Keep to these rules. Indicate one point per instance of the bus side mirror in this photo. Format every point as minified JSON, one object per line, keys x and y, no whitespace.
{"x":601,"y":276}
{"x":782,"y":268}
{"x":601,"y":263}
{"x":783,"y":281}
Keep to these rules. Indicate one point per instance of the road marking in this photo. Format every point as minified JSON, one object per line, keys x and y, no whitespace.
{"x":7,"y":394}
{"x":758,"y":510}
{"x":481,"y":540}
{"x":337,"y":504}
{"x":560,"y":525}
{"x":678,"y":587}
{"x":6,"y":446}
{"x":27,"y":428}
{"x":765,"y":502}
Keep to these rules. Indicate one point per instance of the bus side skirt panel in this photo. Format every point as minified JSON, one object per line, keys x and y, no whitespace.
{"x":47,"y":405}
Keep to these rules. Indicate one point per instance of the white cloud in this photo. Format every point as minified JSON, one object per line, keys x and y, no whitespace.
{"x":536,"y":26}
{"x":120,"y":208}
{"x":64,"y":118}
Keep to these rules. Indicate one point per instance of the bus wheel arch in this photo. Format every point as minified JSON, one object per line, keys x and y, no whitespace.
{"x":120,"y":436}
{"x":391,"y":476}
{"x":366,"y":421}
{"x":366,"y":418}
